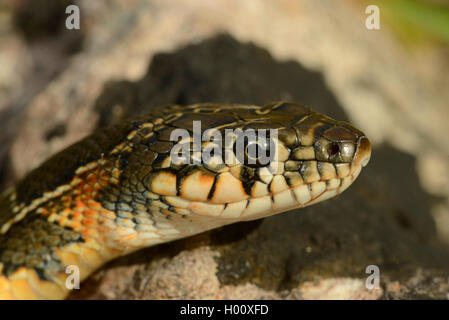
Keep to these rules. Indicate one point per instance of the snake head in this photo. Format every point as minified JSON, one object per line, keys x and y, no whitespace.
{"x":316,"y":158}
{"x":311,"y":158}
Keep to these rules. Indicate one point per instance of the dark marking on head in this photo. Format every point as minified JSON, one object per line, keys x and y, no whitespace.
{"x":182,"y":175}
{"x":247,"y":177}
{"x":212,"y":189}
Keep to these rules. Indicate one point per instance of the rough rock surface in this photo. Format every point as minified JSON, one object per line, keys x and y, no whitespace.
{"x":394,"y":215}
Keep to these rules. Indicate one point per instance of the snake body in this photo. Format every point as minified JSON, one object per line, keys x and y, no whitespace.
{"x":119,"y":190}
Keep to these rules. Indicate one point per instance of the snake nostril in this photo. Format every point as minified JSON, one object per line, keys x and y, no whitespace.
{"x":333,"y":149}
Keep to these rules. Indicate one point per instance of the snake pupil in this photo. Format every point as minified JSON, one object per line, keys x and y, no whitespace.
{"x":256,"y":151}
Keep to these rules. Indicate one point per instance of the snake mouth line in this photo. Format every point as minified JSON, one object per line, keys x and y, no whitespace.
{"x":303,"y":197}
{"x":295,"y":196}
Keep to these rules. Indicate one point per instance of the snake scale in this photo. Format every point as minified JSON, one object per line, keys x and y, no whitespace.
{"x":119,"y":190}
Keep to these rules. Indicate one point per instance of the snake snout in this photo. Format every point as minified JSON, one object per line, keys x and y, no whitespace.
{"x":363,"y":153}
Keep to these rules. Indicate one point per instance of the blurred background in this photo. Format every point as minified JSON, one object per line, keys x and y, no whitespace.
{"x":57,"y":85}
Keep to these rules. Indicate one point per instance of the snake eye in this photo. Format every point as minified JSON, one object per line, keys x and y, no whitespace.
{"x":254,"y":151}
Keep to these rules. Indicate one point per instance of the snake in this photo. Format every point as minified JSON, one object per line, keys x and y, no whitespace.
{"x":121,"y":189}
